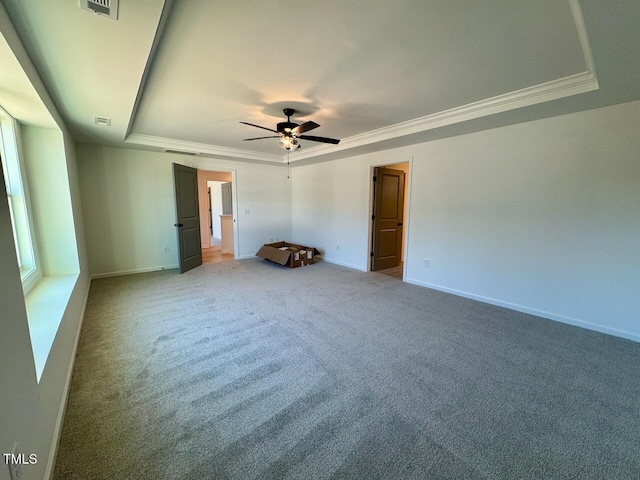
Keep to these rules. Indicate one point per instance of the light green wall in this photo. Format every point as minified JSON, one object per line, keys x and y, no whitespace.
{"x":45,"y":161}
{"x":31,"y":412}
{"x":129,"y":206}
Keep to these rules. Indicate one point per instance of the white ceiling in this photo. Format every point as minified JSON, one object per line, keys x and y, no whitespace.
{"x":19,"y":98}
{"x":385,"y":75}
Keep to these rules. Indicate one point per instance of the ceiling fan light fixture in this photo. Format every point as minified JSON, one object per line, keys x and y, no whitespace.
{"x":288,"y":142}
{"x":288,"y":132}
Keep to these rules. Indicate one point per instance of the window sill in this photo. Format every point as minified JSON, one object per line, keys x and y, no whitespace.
{"x":46,"y":304}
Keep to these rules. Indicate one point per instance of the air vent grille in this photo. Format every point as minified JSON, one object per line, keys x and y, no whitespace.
{"x":102,"y":121}
{"x":107,"y":8}
{"x":181,"y":152}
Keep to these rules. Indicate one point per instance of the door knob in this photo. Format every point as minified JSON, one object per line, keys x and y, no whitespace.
{"x":178,"y":225}
{"x":399,"y":224}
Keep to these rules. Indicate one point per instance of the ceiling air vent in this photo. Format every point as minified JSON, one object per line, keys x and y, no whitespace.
{"x":107,"y":8}
{"x":181,"y":152}
{"x":102,"y":121}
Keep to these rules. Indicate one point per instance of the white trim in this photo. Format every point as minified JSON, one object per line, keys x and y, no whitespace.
{"x":200,"y":148}
{"x":30,"y":280}
{"x":532,"y":311}
{"x":134,"y":271}
{"x":553,"y":90}
{"x":57,"y":432}
{"x":405,"y":221}
{"x":198,"y":165}
{"x":234,"y":211}
{"x":317,"y":259}
{"x":17,"y":184}
{"x":343,"y":264}
{"x":545,"y":92}
{"x":407,"y":197}
{"x":578,"y":19}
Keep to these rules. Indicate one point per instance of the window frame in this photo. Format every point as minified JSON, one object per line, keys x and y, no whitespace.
{"x":19,"y":204}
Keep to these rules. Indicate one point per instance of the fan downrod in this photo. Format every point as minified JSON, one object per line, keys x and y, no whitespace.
{"x":286,"y":127}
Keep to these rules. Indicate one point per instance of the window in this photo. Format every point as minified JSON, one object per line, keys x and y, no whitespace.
{"x":11,"y":215}
{"x":17,"y":196}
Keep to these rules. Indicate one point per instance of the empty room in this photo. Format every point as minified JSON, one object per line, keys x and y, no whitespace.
{"x":321,"y":240}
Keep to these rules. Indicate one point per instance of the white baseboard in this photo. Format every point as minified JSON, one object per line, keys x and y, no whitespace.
{"x":57,"y":432}
{"x":132,"y":272}
{"x":344,"y":264}
{"x":319,"y":259}
{"x":532,"y":311}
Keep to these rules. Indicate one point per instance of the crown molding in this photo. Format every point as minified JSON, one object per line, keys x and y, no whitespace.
{"x":553,"y":90}
{"x":581,"y":28}
{"x":201,"y":148}
{"x":545,"y":92}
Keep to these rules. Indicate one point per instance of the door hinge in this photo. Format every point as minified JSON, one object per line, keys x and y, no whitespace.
{"x":371,"y":255}
{"x":373,"y":217}
{"x":375,"y":179}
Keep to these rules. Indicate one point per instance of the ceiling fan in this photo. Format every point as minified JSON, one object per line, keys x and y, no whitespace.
{"x":289,"y":133}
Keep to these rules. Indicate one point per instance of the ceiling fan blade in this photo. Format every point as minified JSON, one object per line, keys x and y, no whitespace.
{"x":305,"y":127}
{"x":260,"y":138}
{"x":335,"y":141}
{"x":258,"y":126}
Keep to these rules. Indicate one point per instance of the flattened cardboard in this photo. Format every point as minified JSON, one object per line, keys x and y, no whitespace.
{"x":288,"y":254}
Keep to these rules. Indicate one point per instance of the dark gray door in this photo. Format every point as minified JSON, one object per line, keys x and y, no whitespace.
{"x":185,"y":181}
{"x":387,"y":218}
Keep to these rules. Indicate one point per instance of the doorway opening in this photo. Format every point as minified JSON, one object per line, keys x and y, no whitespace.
{"x":388,"y":226}
{"x":218,"y":231}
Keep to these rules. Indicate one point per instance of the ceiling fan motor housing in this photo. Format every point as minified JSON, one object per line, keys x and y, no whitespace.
{"x":286,"y":127}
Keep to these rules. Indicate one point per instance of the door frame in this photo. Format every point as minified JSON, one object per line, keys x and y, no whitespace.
{"x":407,"y":209}
{"x":234,"y":208}
{"x":234,"y":195}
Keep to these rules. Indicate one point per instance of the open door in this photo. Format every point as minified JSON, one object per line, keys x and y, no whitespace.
{"x":185,"y":181}
{"x":387,"y":218}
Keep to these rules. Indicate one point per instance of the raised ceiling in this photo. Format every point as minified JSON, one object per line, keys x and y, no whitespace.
{"x":183,"y":74}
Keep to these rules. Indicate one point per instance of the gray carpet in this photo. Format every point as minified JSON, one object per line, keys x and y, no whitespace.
{"x":247,"y":370}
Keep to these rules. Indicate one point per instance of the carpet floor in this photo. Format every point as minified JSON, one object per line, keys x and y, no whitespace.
{"x":245,"y":369}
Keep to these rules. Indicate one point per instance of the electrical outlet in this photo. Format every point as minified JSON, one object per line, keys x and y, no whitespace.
{"x":271,"y":240}
{"x":247,"y":211}
{"x":165,"y":249}
{"x":426,"y":262}
{"x":337,"y":246}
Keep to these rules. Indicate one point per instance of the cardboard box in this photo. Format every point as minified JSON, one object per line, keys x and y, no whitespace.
{"x":288,"y":254}
{"x":307,"y":255}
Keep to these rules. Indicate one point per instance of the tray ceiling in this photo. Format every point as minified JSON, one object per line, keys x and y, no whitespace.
{"x":183,"y":74}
